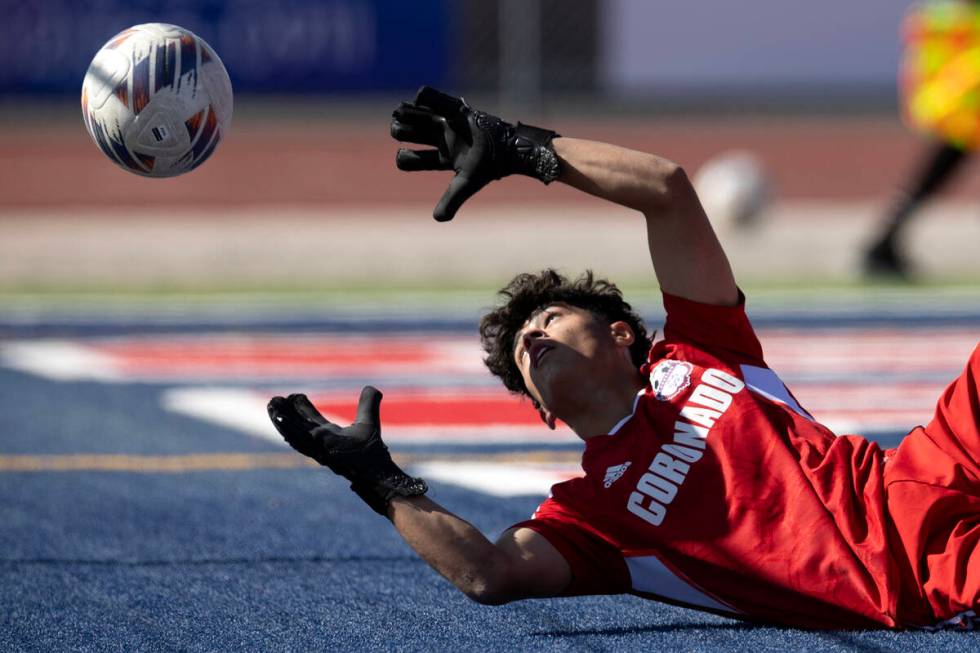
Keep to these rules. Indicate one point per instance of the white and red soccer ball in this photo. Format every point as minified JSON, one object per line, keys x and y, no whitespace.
{"x":157,"y":100}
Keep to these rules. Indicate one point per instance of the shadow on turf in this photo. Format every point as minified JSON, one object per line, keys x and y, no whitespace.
{"x":662,"y":628}
{"x":851,"y":639}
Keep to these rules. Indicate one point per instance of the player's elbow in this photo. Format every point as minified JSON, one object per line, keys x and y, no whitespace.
{"x":487,"y":593}
{"x":677,"y":185}
{"x":669,"y":187}
{"x":676,"y":177}
{"x":490,"y":586}
{"x":486,"y":597}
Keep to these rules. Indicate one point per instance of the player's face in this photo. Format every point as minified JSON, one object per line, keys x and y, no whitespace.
{"x":561,"y":347}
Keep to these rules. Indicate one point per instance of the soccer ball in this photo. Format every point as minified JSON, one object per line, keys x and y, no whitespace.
{"x":157,"y":100}
{"x":734,"y":189}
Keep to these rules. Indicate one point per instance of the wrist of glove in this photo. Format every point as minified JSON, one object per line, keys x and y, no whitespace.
{"x":355,"y":452}
{"x":477,"y":146}
{"x":374,"y":476}
{"x":519,"y":149}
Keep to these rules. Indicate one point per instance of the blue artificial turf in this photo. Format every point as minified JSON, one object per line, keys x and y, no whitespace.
{"x":284,"y":560}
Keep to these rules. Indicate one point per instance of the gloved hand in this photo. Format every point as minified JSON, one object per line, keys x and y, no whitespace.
{"x":478,"y":146}
{"x":355,"y":452}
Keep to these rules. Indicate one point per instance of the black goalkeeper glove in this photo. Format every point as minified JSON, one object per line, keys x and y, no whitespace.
{"x":478,"y":146}
{"x":355,"y":452}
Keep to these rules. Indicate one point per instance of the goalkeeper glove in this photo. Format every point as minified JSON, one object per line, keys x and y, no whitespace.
{"x":355,"y":452}
{"x":478,"y":146}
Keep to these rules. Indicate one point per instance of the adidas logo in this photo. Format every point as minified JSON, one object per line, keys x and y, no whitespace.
{"x":614,"y":473}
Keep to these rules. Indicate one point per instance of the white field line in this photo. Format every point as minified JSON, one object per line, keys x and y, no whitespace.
{"x":498,"y":479}
{"x":245,"y":411}
{"x":60,"y":360}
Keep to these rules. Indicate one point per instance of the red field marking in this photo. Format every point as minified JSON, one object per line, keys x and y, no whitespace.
{"x":259,"y":355}
{"x":860,"y":353}
{"x":436,"y":388}
{"x":440,"y":416}
{"x":444,"y":407}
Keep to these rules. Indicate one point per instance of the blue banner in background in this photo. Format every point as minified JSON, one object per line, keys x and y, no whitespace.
{"x":288,"y":46}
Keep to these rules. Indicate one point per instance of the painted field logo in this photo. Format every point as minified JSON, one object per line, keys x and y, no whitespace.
{"x":669,"y":378}
{"x":614,"y":473}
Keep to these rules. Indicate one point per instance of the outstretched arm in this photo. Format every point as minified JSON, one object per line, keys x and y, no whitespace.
{"x":520,"y":564}
{"x":479,"y":148}
{"x":687,"y":257}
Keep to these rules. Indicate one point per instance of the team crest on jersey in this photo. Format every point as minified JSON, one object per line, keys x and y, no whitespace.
{"x":670,"y":377}
{"x":614,"y":473}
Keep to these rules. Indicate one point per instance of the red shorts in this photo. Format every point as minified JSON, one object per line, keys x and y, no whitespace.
{"x":932,"y":483}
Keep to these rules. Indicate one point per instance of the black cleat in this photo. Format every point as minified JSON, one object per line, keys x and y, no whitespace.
{"x":884,"y":261}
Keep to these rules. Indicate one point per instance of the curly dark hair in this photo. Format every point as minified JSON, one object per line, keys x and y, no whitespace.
{"x":527,"y":292}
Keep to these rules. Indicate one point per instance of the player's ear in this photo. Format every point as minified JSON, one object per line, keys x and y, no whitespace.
{"x":622,"y":333}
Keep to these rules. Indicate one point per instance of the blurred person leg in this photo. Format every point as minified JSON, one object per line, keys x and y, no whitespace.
{"x":885,"y":256}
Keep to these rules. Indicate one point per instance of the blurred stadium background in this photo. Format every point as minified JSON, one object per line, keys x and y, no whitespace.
{"x":146,"y":503}
{"x":307,"y":169}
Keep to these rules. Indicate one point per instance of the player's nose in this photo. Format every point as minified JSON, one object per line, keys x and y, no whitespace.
{"x":532,"y":334}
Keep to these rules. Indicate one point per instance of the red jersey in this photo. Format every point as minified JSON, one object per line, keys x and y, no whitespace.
{"x":720,"y":492}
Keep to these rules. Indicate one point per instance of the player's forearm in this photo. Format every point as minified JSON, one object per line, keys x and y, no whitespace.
{"x":451,"y":546}
{"x":638,"y":180}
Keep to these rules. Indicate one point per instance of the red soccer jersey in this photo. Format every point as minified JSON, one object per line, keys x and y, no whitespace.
{"x":720,"y":492}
